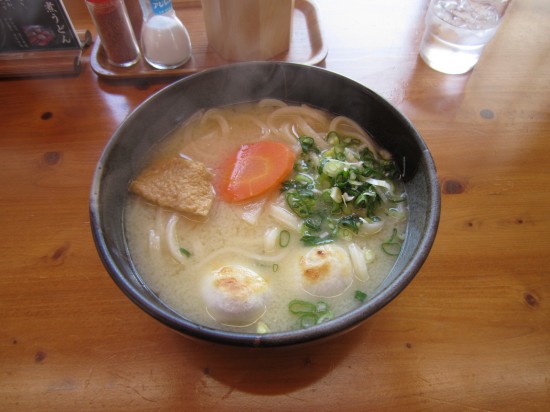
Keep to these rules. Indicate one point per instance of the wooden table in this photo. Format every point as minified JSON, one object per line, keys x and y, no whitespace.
{"x":471,"y":332}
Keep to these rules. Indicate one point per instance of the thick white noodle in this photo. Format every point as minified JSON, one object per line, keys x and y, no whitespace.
{"x":286,"y":132}
{"x":215,"y":115}
{"x":381,"y":193}
{"x":190,"y":123}
{"x":172,"y":239}
{"x":195,"y":147}
{"x":380,"y":183}
{"x":270,"y":240}
{"x":338,"y":124}
{"x":368,"y":228}
{"x":298,"y":115}
{"x":296,"y":111}
{"x":308,"y":131}
{"x":285,"y":217}
{"x":346,"y":121}
{"x":359,"y":262}
{"x":264,"y":128}
{"x":284,"y":112}
{"x":253,"y":210}
{"x":236,"y":251}
{"x":300,"y":111}
{"x":384,"y":154}
{"x":271,"y":103}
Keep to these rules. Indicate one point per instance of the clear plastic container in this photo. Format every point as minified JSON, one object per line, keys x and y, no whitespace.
{"x":164,"y":39}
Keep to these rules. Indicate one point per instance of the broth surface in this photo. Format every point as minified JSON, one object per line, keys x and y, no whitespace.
{"x":236,"y":234}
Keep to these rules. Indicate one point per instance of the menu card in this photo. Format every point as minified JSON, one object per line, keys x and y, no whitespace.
{"x":37,"y":38}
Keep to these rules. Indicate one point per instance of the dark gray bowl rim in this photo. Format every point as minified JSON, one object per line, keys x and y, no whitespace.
{"x":332,"y":328}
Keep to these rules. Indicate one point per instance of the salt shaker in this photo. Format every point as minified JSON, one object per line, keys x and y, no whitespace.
{"x":164,"y":39}
{"x":115,"y":31}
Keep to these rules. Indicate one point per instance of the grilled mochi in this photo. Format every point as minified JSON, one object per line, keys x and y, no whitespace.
{"x":177,"y":183}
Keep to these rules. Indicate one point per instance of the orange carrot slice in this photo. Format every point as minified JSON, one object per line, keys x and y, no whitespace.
{"x":254,"y":169}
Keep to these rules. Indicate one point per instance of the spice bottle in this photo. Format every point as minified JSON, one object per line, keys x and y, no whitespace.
{"x":164,"y":39}
{"x":135,"y":15}
{"x":115,"y":31}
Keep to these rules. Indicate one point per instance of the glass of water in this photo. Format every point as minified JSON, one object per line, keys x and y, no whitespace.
{"x":457,"y":31}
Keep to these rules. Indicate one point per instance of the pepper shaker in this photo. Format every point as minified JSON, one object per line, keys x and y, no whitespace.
{"x":113,"y":25}
{"x":135,"y":14}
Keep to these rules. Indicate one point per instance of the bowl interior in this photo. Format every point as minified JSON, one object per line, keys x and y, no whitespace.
{"x":128,"y":149}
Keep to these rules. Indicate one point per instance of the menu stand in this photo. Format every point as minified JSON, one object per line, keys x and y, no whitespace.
{"x":37,"y":38}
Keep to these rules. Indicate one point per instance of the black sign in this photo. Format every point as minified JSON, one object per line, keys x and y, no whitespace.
{"x":35,"y":25}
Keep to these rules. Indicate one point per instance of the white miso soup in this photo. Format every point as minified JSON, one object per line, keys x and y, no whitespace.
{"x":310,"y":248}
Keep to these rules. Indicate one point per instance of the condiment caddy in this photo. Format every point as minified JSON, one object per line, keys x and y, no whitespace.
{"x":307,"y":45}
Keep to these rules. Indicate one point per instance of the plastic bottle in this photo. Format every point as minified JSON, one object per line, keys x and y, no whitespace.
{"x":113,"y":27}
{"x":164,"y":39}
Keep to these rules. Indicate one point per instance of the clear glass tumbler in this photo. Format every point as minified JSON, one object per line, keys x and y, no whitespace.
{"x":457,"y":31}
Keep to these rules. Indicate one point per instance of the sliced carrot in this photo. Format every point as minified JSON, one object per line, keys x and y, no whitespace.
{"x":253,"y":170}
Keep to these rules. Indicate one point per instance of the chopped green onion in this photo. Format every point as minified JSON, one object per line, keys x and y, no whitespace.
{"x":345,"y":233}
{"x":185,"y":252}
{"x":305,"y":180}
{"x":332,"y":138}
{"x":396,"y":213}
{"x":275,"y":267}
{"x":336,"y":194}
{"x":284,"y":238}
{"x":312,"y":240}
{"x":308,"y":144}
{"x":299,"y":307}
{"x":351,"y":222}
{"x":369,"y":255}
{"x":307,"y":320}
{"x":392,"y":247}
{"x":310,"y":314}
{"x":262,"y":328}
{"x":340,"y":155}
{"x":381,"y":183}
{"x":338,"y":183}
{"x":333,"y":167}
{"x":301,"y":165}
{"x":313,"y":222}
{"x":360,"y":296}
{"x":298,"y":204}
{"x":351,"y":155}
{"x":328,"y":315}
{"x":321,"y":307}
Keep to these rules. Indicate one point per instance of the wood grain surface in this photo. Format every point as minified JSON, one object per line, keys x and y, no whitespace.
{"x":470,"y":333}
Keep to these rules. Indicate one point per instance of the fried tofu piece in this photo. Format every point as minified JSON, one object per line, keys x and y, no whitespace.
{"x":177,"y":183}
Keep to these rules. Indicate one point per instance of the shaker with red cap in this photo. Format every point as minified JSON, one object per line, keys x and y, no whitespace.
{"x":115,"y":31}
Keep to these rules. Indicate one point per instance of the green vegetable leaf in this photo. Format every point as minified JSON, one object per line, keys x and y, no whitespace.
{"x":185,"y":252}
{"x":312,"y":240}
{"x":334,"y":189}
{"x":351,"y":222}
{"x":308,"y":145}
{"x":360,"y":296}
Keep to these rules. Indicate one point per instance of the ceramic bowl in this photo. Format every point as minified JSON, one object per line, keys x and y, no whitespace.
{"x":127,"y":150}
